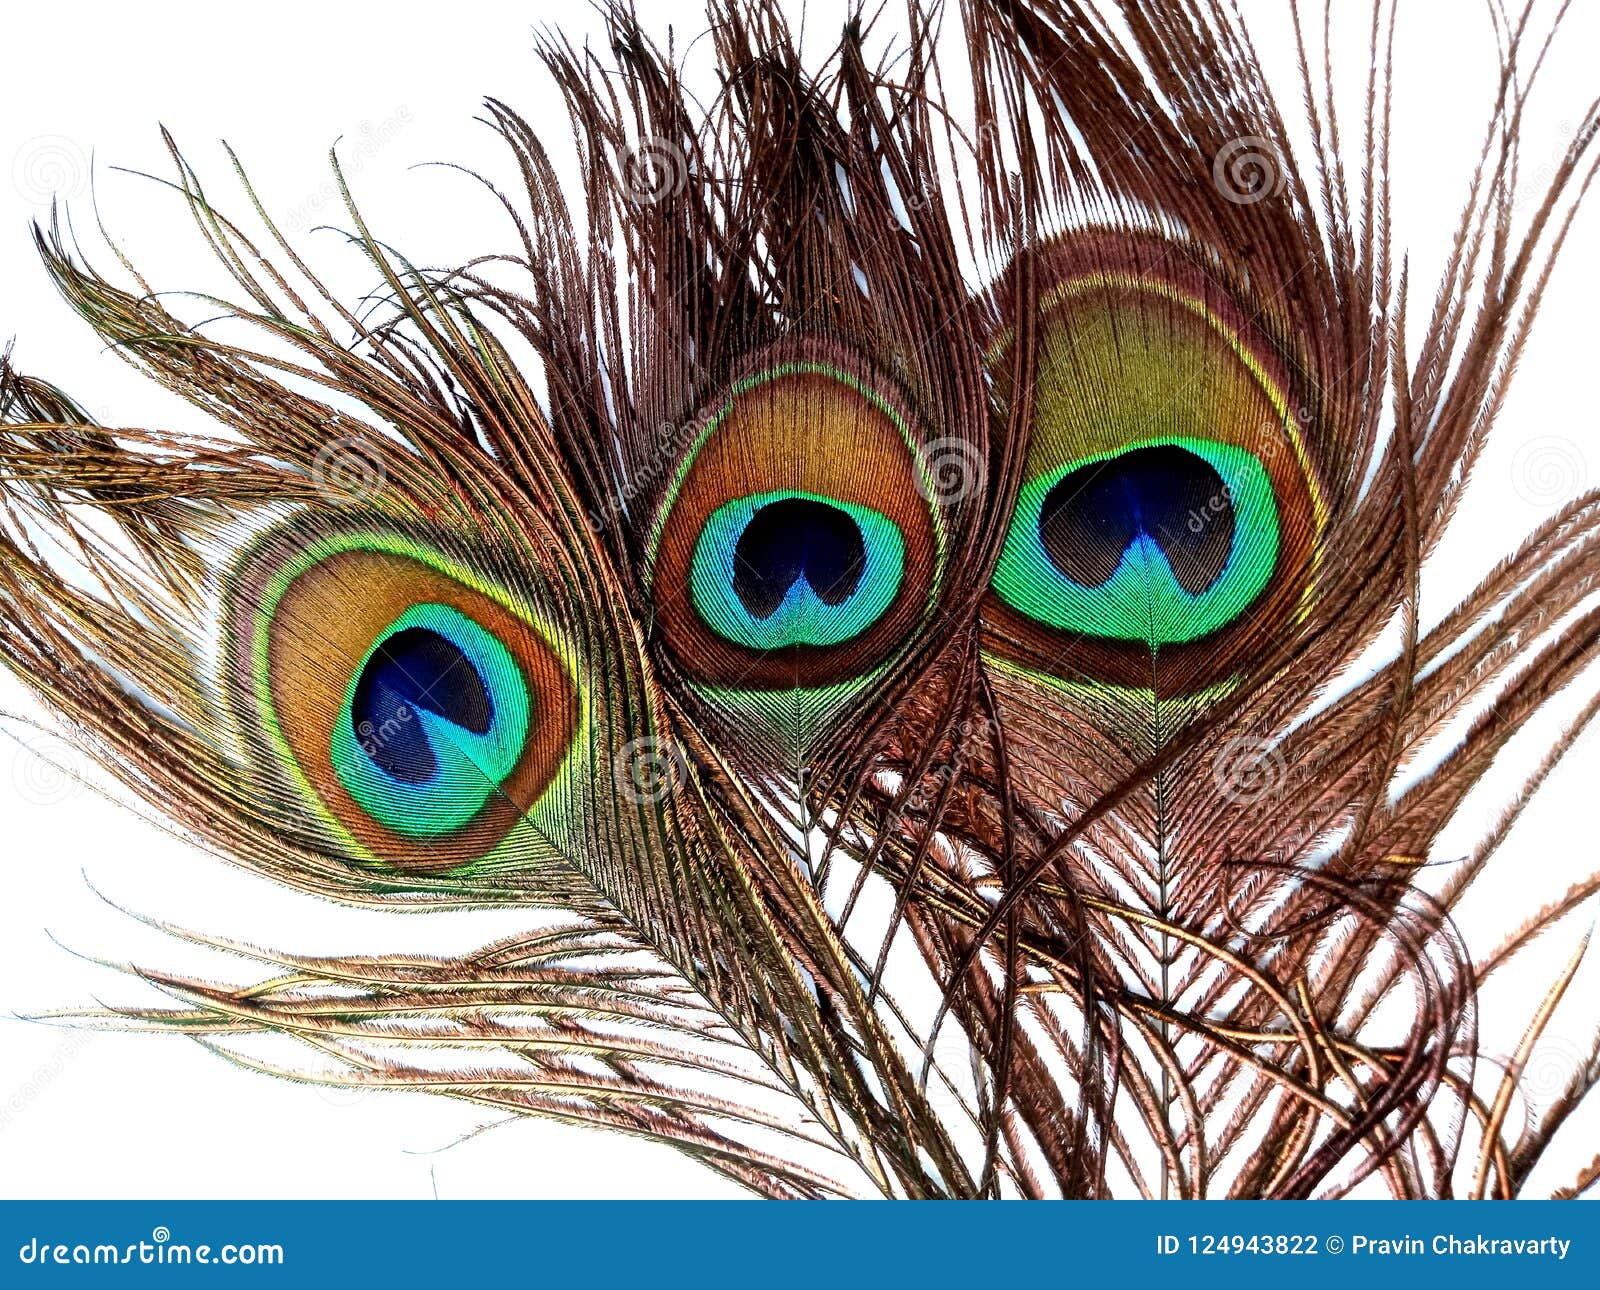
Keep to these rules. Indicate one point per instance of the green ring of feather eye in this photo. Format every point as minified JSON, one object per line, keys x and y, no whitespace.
{"x":470,"y":766}
{"x":1143,"y":601}
{"x":803,"y":618}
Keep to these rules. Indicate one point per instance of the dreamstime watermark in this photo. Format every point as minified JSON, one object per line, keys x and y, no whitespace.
{"x":159,"y":1250}
{"x":1220,"y":503}
{"x":344,"y":1095}
{"x":375,"y":738}
{"x":1248,"y":170}
{"x":1246,"y":770}
{"x":650,"y":769}
{"x":1224,"y":501}
{"x":47,"y":769}
{"x":348,"y":471}
{"x":974,"y":732}
{"x":48,"y":168}
{"x":1548,"y":469}
{"x":672,"y":438}
{"x":1533,"y":182}
{"x":950,"y":1075}
{"x":654,"y":171}
{"x":930,"y":788}
{"x":924,"y":195}
{"x":1552,"y":1069}
{"x":370,"y":140}
{"x":949,"y":470}
{"x":21,"y":1098}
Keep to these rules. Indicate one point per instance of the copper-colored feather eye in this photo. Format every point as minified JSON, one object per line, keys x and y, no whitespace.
{"x":1169,"y":506}
{"x":423,"y":711}
{"x":795,"y":548}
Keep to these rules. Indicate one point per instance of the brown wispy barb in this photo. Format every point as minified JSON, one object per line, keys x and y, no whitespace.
{"x":877,"y":573}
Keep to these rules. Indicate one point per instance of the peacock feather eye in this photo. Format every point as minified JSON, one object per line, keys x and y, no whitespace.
{"x":424,"y":712}
{"x":1169,"y":509}
{"x":795,"y":550}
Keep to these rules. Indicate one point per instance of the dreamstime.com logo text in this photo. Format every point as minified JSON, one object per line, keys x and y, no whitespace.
{"x":160,"y":1251}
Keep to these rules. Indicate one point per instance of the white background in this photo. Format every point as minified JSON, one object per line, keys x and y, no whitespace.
{"x":156,"y":1116}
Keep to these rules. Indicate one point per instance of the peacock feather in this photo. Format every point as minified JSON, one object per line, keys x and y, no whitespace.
{"x":912,"y":592}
